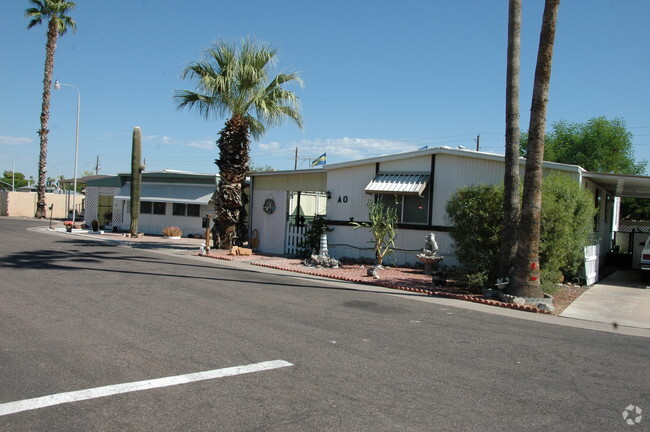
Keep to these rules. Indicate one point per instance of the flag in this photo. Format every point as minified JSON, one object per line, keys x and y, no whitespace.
{"x":320,"y":160}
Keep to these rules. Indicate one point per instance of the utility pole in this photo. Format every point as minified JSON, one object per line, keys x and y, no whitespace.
{"x":295,"y":160}
{"x":13,"y":176}
{"x":478,"y":142}
{"x":97,"y":166}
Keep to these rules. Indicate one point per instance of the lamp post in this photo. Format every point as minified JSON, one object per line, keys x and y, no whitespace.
{"x":57,"y":86}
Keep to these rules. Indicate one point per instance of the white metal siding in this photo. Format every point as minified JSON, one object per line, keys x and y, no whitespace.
{"x":347,"y":188}
{"x":415,"y":164}
{"x":154,"y":224}
{"x":312,"y":182}
{"x":454,"y":172}
{"x":345,"y":241}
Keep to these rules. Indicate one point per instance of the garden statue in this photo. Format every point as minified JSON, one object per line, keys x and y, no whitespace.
{"x":429,"y":255}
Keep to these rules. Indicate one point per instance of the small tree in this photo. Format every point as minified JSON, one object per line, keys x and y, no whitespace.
{"x":383,"y":227}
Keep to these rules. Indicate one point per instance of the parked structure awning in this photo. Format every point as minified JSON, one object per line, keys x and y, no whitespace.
{"x":401,"y":184}
{"x":164,"y":192}
{"x":622,"y":185}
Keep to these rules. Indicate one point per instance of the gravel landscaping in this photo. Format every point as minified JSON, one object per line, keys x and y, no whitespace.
{"x":408,"y":279}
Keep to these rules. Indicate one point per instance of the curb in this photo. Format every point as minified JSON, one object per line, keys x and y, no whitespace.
{"x":465,"y":297}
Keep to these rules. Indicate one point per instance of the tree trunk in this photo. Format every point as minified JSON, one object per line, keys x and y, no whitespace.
{"x":511,"y":204}
{"x":233,"y":163}
{"x":50,"y":48}
{"x":526,"y":275}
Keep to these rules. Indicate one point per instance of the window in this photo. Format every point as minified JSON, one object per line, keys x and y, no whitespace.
{"x":410,"y":208}
{"x":179,"y":209}
{"x":152,"y":207}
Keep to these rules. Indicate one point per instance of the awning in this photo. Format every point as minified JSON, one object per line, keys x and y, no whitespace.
{"x":402,"y":184}
{"x":622,"y":185}
{"x":186,"y":194}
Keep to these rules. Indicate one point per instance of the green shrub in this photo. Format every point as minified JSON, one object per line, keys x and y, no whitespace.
{"x":476,"y":214}
{"x":567,"y":227}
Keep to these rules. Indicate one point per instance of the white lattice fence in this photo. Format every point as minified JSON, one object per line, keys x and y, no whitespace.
{"x":294,"y":237}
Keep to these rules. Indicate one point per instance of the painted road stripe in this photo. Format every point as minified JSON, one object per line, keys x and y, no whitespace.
{"x":110,"y":390}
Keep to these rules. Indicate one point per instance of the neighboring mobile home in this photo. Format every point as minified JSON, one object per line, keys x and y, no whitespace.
{"x":167,"y":198}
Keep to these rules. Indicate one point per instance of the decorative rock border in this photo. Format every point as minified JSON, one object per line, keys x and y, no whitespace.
{"x":466,"y":297}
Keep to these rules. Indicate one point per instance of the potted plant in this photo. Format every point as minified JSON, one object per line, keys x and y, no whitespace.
{"x":172,"y":232}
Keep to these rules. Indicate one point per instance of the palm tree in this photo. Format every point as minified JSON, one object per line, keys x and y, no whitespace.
{"x":511,"y":205}
{"x":54,"y":12}
{"x":526,"y":274}
{"x":236,"y":82}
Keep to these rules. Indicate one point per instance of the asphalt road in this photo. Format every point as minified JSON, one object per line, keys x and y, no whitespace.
{"x":78,"y":314}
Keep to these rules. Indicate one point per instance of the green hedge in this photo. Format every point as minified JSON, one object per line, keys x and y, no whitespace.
{"x":476,"y":214}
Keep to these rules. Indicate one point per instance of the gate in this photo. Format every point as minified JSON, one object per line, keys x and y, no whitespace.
{"x":591,"y":264}
{"x":295,"y":235}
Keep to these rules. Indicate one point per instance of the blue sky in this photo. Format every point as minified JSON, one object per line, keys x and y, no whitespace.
{"x":380,"y":77}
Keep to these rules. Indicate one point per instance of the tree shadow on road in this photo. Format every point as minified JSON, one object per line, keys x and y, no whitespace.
{"x":84,"y":255}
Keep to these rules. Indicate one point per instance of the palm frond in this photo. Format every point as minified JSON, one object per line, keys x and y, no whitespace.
{"x":237,"y":83}
{"x":54,"y":10}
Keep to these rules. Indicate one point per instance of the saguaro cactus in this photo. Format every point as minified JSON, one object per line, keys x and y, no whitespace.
{"x":136,"y":178}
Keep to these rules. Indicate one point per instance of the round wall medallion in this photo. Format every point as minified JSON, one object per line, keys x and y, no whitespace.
{"x":269,"y":206}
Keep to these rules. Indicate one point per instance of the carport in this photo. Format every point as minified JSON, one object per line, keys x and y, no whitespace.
{"x":624,"y":240}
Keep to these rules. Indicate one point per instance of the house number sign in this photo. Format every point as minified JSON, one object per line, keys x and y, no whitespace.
{"x":343,"y":199}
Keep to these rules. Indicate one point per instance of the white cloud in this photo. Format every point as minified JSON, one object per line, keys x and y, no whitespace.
{"x":202,"y":144}
{"x":15,"y":140}
{"x":343,"y":149}
{"x":270,"y":147}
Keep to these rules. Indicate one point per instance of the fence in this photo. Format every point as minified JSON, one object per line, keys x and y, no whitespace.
{"x":627,"y":237}
{"x":295,"y":234}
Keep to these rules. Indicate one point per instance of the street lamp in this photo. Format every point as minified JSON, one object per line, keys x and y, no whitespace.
{"x":57,"y":86}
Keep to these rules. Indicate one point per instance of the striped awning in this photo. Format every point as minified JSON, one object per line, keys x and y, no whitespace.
{"x":401,"y":184}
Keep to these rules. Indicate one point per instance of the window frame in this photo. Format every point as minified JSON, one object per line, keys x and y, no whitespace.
{"x":401,"y":198}
{"x":189,"y":210}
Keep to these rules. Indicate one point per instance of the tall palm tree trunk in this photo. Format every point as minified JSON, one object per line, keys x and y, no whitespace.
{"x":526,"y":274}
{"x":233,"y":163}
{"x":50,"y":47}
{"x":511,"y":204}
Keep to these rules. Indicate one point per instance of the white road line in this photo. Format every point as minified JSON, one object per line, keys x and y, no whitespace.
{"x":98,"y":392}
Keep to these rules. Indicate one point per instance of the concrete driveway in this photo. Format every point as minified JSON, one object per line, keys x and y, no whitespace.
{"x":622,"y":298}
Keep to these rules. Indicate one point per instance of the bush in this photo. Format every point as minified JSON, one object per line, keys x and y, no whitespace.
{"x":172,"y":231}
{"x":567,"y":227}
{"x":476,"y":214}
